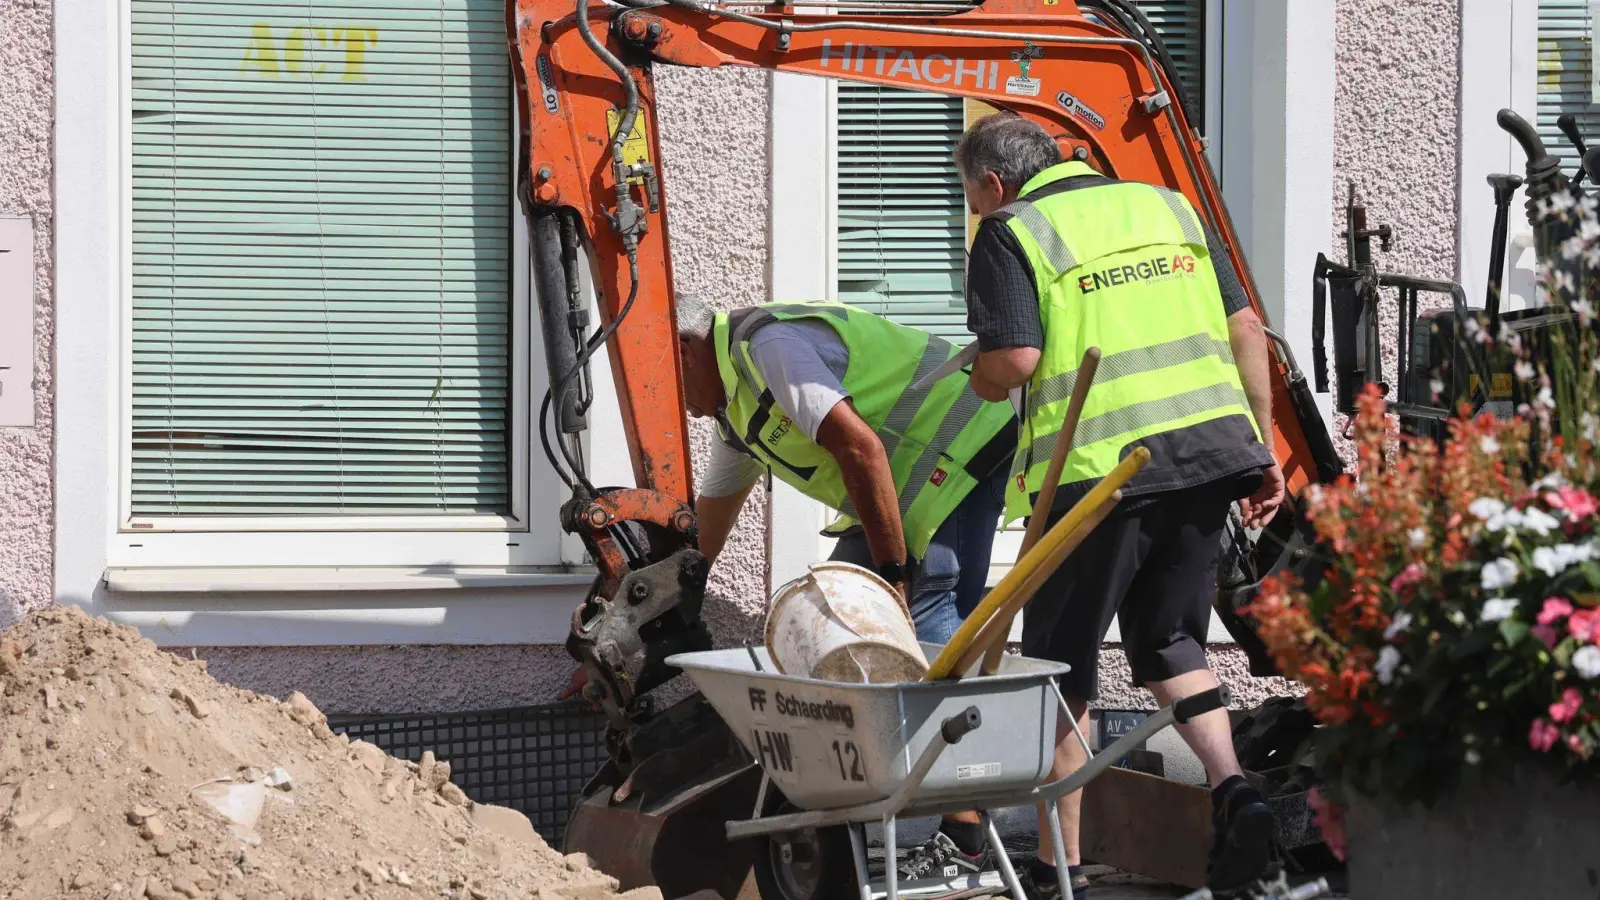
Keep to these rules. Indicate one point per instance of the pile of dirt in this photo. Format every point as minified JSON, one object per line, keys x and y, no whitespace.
{"x":128,"y":772}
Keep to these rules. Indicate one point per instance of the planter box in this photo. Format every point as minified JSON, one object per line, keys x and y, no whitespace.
{"x":1534,"y":838}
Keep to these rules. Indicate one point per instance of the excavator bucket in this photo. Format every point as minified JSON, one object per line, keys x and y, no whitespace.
{"x":665,"y":822}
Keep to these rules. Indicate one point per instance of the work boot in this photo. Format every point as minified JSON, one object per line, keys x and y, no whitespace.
{"x":939,"y":859}
{"x":1245,"y":837}
{"x":1039,"y":882}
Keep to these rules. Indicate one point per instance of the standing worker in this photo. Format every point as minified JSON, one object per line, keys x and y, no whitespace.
{"x":1067,"y":259}
{"x":826,"y":396}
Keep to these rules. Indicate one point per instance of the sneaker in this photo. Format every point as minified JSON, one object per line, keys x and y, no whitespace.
{"x":1049,"y":890}
{"x":1243,"y":852}
{"x":939,"y":859}
{"x":1033,"y":890}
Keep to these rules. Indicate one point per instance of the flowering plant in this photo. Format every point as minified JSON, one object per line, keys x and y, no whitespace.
{"x":1455,"y":633}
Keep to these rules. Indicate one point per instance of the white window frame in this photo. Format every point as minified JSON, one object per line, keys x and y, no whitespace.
{"x":1278,"y":109}
{"x":454,"y":580}
{"x":1501,"y":41}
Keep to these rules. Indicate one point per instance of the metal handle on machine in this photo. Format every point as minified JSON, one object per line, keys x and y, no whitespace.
{"x":1505,"y":187}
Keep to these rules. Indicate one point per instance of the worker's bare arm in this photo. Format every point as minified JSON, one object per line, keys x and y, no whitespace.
{"x":1250,"y":353}
{"x":864,"y":467}
{"x":716,"y":516}
{"x":998,"y":371}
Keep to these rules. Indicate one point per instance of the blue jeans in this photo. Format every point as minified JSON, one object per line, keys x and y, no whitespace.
{"x":948,"y":582}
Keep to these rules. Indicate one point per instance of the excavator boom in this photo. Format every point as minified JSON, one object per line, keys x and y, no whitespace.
{"x":590,"y":178}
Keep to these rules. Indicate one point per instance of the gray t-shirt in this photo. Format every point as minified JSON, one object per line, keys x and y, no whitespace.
{"x":803,"y":363}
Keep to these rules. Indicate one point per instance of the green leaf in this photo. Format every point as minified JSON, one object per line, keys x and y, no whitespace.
{"x":1563,"y":652}
{"x":1514,"y":630}
{"x":1591,"y":571}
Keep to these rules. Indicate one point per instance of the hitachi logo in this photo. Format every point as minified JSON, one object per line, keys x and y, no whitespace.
{"x":1150,"y":270}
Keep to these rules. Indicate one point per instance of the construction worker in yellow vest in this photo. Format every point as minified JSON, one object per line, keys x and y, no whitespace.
{"x":845,"y":406}
{"x":1066,"y":259}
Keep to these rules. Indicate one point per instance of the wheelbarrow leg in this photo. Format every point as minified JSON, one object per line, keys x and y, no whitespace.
{"x":891,"y":869}
{"x":858,"y":850}
{"x":1062,"y":870}
{"x":1007,"y":873}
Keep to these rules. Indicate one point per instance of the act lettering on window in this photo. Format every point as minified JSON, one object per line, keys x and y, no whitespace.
{"x":309,"y":51}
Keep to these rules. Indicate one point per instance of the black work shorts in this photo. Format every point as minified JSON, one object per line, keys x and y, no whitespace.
{"x":1154,"y":567}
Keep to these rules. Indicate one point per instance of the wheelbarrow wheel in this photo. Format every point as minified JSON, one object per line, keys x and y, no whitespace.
{"x":813,"y":864}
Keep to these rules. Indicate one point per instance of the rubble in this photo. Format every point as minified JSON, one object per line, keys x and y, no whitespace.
{"x":129,"y":773}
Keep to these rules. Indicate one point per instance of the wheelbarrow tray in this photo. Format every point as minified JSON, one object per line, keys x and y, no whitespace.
{"x":826,"y":745}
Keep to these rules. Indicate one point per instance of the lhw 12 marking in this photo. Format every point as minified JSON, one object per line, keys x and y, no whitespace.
{"x":775,"y":750}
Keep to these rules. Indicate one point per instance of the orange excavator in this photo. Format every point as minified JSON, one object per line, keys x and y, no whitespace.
{"x":591,"y":182}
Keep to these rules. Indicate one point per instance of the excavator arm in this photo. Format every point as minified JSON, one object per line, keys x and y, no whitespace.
{"x":590,"y":179}
{"x":592,"y":183}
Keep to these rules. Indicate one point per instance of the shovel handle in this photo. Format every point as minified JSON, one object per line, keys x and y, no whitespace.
{"x":1047,"y":491}
{"x":944,"y":666}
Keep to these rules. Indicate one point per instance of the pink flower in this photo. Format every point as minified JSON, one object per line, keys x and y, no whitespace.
{"x":1548,"y":634}
{"x":1555,"y":609}
{"x":1542,"y":736}
{"x":1408,"y":576}
{"x":1579,"y":503}
{"x":1575,"y":743}
{"x":1567,"y":707}
{"x":1582,"y":625}
{"x":1330,"y":821}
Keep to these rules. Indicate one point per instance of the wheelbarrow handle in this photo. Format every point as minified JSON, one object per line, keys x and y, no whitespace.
{"x":958,"y":726}
{"x":1199,"y":704}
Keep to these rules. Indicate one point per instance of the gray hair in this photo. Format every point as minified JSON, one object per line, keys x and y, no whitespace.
{"x":1013,"y":148}
{"x":695,"y":318}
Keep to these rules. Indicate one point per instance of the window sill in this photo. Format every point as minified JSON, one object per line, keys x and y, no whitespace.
{"x":322,"y":579}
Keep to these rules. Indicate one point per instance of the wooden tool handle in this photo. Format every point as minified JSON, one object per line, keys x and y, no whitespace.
{"x":944,"y":666}
{"x":997,"y":630}
{"x":1052,"y":477}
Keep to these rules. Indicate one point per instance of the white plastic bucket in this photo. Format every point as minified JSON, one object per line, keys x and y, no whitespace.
{"x":840,"y":622}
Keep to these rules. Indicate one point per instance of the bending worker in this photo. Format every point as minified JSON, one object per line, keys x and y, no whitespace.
{"x":826,"y":397}
{"x":1066,"y":259}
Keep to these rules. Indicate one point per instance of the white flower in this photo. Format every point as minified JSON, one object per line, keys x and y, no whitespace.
{"x":1436,"y":385}
{"x":1471,"y":327}
{"x":1511,"y":519}
{"x":1499,"y":608}
{"x":1587,"y":661}
{"x":1400,"y":623}
{"x":1525,"y":370}
{"x":1417,"y":537}
{"x":1388,"y":661}
{"x":1473,"y":757}
{"x":1584,"y":309}
{"x":1457,"y":618}
{"x":1552,"y":561}
{"x":1485,"y":508}
{"x":1539,"y":521}
{"x":1546,"y":398}
{"x":1490,"y":445}
{"x":1501,"y":573}
{"x":1555,"y":481}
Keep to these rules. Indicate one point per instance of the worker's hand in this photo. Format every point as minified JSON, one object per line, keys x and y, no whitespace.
{"x":1259,"y":508}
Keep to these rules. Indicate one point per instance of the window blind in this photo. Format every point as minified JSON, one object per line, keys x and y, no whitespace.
{"x":321,"y":258}
{"x":1564,"y":67}
{"x":902,"y":219}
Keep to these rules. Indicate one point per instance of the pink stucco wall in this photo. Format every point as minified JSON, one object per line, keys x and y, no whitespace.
{"x":27,"y":102}
{"x":1397,"y":121}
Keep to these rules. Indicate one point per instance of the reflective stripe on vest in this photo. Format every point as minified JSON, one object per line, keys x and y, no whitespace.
{"x":1124,"y":267}
{"x":930,"y":434}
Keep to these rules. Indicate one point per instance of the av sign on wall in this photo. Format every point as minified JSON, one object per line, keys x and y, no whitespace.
{"x":16,"y":322}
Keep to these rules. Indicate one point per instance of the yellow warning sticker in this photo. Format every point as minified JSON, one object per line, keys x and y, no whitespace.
{"x":1500,"y":386}
{"x":1472,"y":383}
{"x":636,"y":149}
